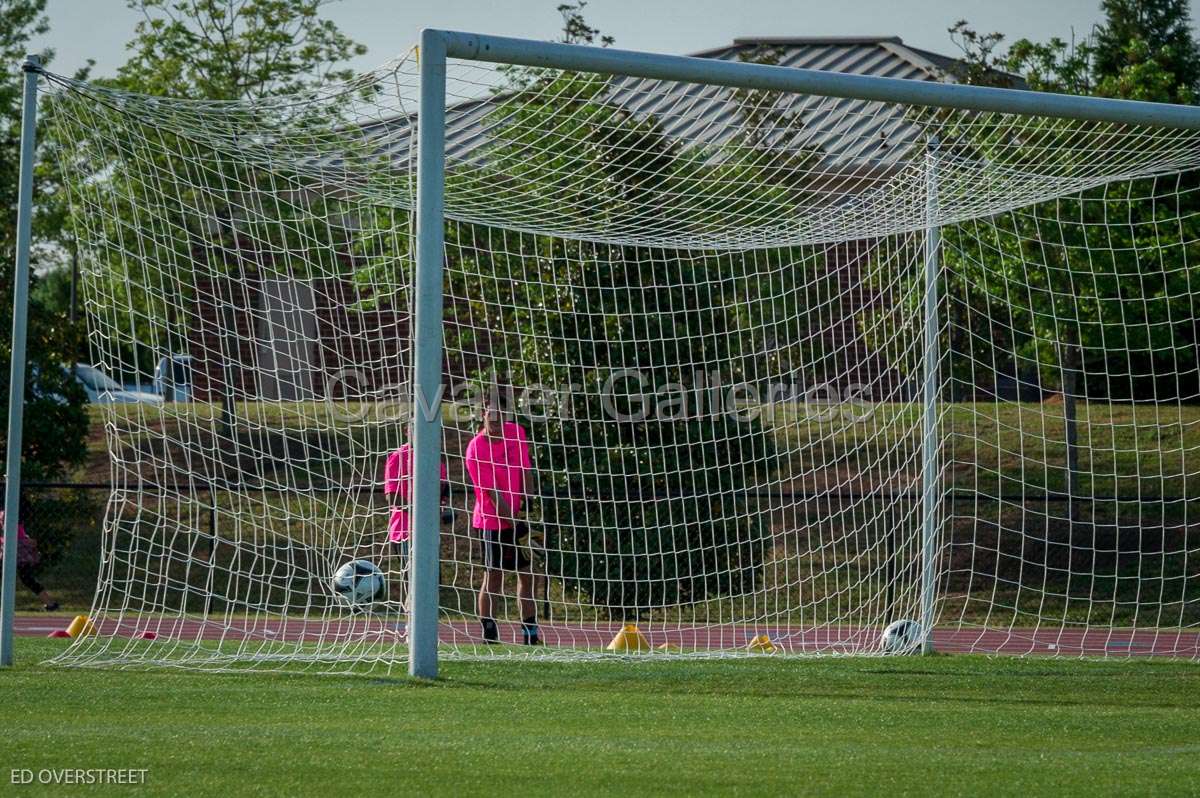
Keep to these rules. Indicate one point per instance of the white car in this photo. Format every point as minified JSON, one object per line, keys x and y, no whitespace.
{"x":104,"y":390}
{"x":173,"y":378}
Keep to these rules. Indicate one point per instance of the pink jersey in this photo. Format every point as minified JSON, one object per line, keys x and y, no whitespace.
{"x":397,"y":480}
{"x":27,"y":553}
{"x":500,"y":464}
{"x":21,"y":536}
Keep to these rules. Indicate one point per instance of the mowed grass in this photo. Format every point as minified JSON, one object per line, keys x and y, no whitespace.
{"x":1128,"y":450}
{"x":946,"y":725}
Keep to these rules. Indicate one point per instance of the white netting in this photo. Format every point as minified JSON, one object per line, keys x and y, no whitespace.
{"x":705,"y":307}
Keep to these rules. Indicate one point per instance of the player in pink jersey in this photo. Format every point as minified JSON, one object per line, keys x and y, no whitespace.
{"x":497,"y":460}
{"x":27,"y":561}
{"x":397,"y":483}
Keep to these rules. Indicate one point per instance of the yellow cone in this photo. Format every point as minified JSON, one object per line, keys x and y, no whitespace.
{"x":82,"y":625}
{"x":762,"y":644}
{"x":630,"y":638}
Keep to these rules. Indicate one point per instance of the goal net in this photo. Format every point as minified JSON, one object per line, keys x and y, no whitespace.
{"x":787,"y":368}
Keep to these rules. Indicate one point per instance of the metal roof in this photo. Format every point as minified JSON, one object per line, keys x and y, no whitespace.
{"x":851,"y":133}
{"x":853,"y":136}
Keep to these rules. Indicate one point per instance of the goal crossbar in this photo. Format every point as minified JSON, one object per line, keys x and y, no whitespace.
{"x":689,"y":69}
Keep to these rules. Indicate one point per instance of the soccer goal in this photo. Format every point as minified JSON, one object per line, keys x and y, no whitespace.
{"x":679,"y":357}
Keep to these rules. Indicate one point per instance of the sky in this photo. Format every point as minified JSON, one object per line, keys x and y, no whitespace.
{"x":99,"y":29}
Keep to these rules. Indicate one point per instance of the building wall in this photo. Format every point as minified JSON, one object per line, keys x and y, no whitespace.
{"x":294,"y":340}
{"x":270,"y":339}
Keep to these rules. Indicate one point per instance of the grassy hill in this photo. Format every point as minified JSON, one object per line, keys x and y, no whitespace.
{"x":1009,"y":555}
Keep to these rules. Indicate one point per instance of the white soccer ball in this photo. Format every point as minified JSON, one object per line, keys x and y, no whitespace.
{"x":358,"y":583}
{"x":901,"y":637}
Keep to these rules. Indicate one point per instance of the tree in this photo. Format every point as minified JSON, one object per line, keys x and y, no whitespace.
{"x":213,"y":49}
{"x":1145,"y":51}
{"x":1073,"y":309}
{"x":210,"y":50}
{"x":649,"y":511}
{"x":56,"y":420}
{"x":979,"y":65}
{"x":1085,"y":292}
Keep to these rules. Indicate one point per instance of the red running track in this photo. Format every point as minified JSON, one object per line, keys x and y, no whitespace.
{"x":793,"y":639}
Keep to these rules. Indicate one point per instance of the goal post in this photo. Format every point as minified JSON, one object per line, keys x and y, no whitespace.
{"x":931,"y":357}
{"x":613,"y":61}
{"x":427,"y":345}
{"x":16,"y":382}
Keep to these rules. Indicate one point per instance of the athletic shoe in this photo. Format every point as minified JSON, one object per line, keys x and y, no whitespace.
{"x":491,"y":634}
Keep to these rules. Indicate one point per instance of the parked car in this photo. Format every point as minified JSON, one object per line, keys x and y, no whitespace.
{"x":173,"y":378}
{"x":102,"y":389}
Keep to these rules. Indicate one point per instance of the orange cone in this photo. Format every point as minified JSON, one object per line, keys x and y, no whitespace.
{"x":761,"y":644}
{"x":630,"y":638}
{"x":82,"y":625}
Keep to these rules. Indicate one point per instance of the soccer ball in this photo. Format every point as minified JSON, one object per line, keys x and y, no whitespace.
{"x":901,"y":637}
{"x":358,"y":583}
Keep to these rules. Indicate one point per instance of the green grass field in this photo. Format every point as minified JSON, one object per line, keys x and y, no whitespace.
{"x":948,"y":725}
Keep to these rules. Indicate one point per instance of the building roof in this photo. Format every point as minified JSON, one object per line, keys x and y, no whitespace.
{"x":853,"y":136}
{"x":879,"y":56}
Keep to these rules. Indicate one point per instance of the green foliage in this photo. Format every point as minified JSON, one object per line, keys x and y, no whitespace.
{"x":213,"y":49}
{"x":979,"y":65}
{"x":170,"y":195}
{"x":1100,"y":280}
{"x":575,"y":30}
{"x":1114,"y":294}
{"x":650,"y":512}
{"x":1055,"y":65}
{"x":1146,"y":51}
{"x":55,"y":420}
{"x":1143,"y":51}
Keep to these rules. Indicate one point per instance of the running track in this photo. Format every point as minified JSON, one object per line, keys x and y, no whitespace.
{"x":792,"y":639}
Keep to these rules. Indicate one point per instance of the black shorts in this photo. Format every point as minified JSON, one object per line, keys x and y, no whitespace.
{"x":506,"y":549}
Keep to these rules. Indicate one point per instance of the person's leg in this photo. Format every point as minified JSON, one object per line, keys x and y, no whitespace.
{"x":525,"y":600}
{"x":489,"y":587}
{"x":29,"y":579}
{"x":398,"y":571}
{"x":527,"y":606}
